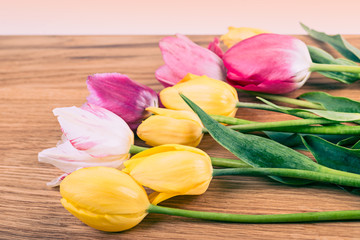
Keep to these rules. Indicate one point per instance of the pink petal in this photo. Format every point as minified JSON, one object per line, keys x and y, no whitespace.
{"x":68,"y":159}
{"x":121,"y":95}
{"x":214,"y":46}
{"x":265,"y":61}
{"x":163,"y":74}
{"x":96,"y":130}
{"x":182,"y":56}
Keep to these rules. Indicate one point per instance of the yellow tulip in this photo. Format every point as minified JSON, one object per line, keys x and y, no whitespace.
{"x":213,"y":96}
{"x":236,"y":35}
{"x":104,"y":198}
{"x":171,"y":126}
{"x":171,"y":170}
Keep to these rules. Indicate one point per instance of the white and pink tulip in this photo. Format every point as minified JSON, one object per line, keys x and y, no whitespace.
{"x":92,"y":136}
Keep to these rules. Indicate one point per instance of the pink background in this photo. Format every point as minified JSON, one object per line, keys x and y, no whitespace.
{"x":168,"y":17}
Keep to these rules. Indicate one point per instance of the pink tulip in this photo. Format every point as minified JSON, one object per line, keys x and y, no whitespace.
{"x":269,"y":63}
{"x":121,"y":95}
{"x":92,"y":136}
{"x":182,"y":56}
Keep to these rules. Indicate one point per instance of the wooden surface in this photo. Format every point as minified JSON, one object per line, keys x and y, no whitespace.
{"x":40,"y":73}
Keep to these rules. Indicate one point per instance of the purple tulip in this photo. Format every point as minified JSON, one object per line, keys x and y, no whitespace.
{"x":270,"y":63}
{"x":121,"y":95}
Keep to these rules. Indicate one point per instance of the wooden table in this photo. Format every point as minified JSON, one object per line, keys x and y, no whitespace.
{"x":39,"y":73}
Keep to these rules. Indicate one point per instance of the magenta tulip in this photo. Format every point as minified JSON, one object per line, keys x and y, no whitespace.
{"x":121,"y":95}
{"x":182,"y":56}
{"x":270,"y":63}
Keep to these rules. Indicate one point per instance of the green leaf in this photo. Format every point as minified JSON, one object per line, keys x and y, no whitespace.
{"x":353,"y":140}
{"x":320,"y":56}
{"x":294,"y":140}
{"x":356,"y":145}
{"x":329,"y":102}
{"x":255,"y":150}
{"x":332,"y":155}
{"x":331,"y":115}
{"x":337,"y":41}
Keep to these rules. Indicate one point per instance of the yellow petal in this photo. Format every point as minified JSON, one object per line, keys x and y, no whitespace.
{"x":158,"y":130}
{"x":173,"y":172}
{"x":213,"y":96}
{"x":235,"y":35}
{"x":166,"y":148}
{"x":177,"y":114}
{"x":104,"y":222}
{"x":103,"y":197}
{"x":156,"y":197}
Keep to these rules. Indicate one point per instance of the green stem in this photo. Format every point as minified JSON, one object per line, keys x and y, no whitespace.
{"x":316,"y":67}
{"x":326,"y":175}
{"x":218,"y":162}
{"x":293,"y":126}
{"x":248,"y":218}
{"x":230,"y":120}
{"x":270,"y":108}
{"x":280,"y":124}
{"x":288,"y":100}
{"x":136,"y":149}
{"x":230,"y":163}
{"x":325,"y":130}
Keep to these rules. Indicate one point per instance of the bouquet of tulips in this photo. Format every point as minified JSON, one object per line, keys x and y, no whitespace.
{"x":105,"y":173}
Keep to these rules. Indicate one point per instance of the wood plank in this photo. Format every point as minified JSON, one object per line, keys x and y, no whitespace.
{"x":39,"y":73}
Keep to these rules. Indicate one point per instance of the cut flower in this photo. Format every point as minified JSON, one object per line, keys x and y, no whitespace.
{"x":270,"y":63}
{"x":171,"y":126}
{"x":175,"y":170}
{"x":182,"y":56}
{"x":121,"y":95}
{"x":92,"y":136}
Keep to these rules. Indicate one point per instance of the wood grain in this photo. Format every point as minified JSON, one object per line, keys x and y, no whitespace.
{"x":39,"y":73}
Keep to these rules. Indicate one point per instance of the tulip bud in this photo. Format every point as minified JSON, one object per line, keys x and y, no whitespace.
{"x":121,"y":95}
{"x":171,"y":170}
{"x":182,"y":56}
{"x":93,"y":136}
{"x":235,"y":35}
{"x":171,"y":126}
{"x":104,"y":198}
{"x":213,"y":96}
{"x":270,"y":63}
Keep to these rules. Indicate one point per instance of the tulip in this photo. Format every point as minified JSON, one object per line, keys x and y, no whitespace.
{"x":110,"y":200}
{"x":171,"y":170}
{"x":273,"y":63}
{"x":235,"y":35}
{"x":171,"y":126}
{"x":104,"y":198}
{"x":92,"y":136}
{"x":121,"y":95}
{"x":182,"y":56}
{"x":213,"y":96}
{"x":269,"y":63}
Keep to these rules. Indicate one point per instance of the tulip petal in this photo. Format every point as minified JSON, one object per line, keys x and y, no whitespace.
{"x":104,"y":198}
{"x":68,"y":159}
{"x":95,"y":130}
{"x":165,"y":76}
{"x":235,"y":35}
{"x":158,"y":197}
{"x":182,"y":56}
{"x":121,"y":95}
{"x":271,"y":63}
{"x":214,"y":46}
{"x":56,"y":181}
{"x":220,"y":97}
